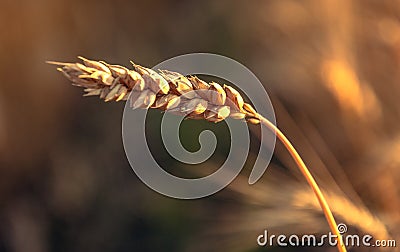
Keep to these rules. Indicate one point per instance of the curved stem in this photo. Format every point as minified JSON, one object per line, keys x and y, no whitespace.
{"x":310,"y":179}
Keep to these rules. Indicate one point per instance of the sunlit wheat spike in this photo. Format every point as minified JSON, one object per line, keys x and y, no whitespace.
{"x":165,"y":90}
{"x":182,"y":95}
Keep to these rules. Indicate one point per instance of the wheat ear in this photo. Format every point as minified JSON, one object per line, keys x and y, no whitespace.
{"x":173,"y":92}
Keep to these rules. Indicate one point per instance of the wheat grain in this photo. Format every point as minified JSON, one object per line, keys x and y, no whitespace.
{"x":165,"y":90}
{"x":185,"y":95}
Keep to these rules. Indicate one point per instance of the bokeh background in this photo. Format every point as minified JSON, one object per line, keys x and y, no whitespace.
{"x":331,"y":68}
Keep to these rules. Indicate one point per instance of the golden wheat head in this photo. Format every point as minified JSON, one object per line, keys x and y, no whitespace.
{"x":165,"y":90}
{"x":184,"y":95}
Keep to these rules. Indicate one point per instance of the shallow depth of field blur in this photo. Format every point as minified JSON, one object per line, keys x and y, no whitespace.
{"x":331,"y":67}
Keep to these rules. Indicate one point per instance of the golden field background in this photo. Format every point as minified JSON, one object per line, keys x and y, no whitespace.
{"x":330,"y":67}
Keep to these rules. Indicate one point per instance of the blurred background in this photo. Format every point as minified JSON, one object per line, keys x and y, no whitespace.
{"x":331,"y":68}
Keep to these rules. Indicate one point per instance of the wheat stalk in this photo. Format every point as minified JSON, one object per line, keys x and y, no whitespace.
{"x":185,"y":95}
